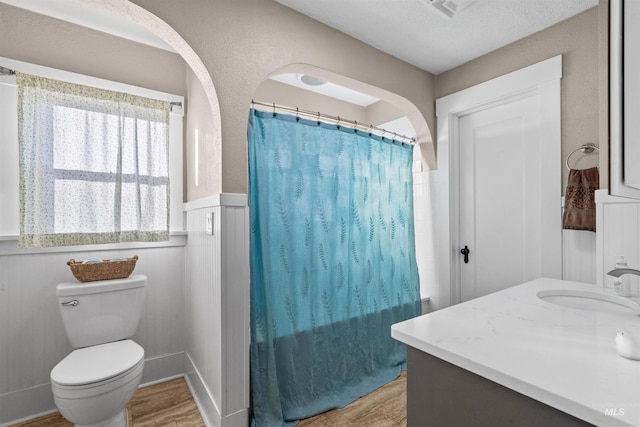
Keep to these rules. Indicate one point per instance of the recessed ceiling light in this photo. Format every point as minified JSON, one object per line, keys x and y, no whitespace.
{"x":311,"y":81}
{"x":328,"y":89}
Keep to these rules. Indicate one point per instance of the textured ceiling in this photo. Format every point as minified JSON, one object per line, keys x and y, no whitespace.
{"x":411,"y":30}
{"x":418,"y":33}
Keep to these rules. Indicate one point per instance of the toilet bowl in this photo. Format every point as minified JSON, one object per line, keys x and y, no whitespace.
{"x":92,"y":385}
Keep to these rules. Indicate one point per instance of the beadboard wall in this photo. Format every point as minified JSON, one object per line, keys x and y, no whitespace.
{"x":618,"y":225}
{"x":424,"y":215}
{"x":587,"y":256}
{"x":32,"y":337}
{"x":217,"y":314}
{"x":579,"y":255}
{"x":195,"y":320}
{"x":196,"y":311}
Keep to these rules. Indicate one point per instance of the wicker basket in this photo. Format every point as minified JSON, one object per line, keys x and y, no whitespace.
{"x":105,"y":270}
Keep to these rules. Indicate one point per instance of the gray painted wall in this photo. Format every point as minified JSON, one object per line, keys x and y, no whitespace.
{"x":577,"y":40}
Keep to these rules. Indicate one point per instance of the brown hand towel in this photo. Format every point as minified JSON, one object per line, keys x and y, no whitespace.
{"x":579,"y":200}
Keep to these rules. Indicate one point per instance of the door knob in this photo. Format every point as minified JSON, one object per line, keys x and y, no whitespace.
{"x":465,"y":251}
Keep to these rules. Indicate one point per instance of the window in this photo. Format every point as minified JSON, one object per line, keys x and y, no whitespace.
{"x":95,"y":165}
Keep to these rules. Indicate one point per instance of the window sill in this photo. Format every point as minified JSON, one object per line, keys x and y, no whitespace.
{"x":9,"y":245}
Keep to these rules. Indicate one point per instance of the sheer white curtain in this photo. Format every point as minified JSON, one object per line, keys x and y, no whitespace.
{"x":93,"y":165}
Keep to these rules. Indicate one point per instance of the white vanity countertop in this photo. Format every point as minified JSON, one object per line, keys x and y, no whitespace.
{"x":563,"y":357}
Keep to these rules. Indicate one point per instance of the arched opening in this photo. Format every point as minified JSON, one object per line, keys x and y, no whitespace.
{"x":344,"y":97}
{"x":41,"y":39}
{"x":203,"y":148}
{"x":381,"y":108}
{"x":190,"y":285}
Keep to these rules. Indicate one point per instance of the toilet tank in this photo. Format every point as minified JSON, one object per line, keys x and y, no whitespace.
{"x":102,"y":311}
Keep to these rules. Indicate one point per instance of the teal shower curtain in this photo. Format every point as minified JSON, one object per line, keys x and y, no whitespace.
{"x":332,"y":264}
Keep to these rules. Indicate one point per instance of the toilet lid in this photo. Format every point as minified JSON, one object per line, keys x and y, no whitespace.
{"x":97,"y":363}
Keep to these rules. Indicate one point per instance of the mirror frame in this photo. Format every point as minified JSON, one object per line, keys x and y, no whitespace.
{"x":617,"y":185}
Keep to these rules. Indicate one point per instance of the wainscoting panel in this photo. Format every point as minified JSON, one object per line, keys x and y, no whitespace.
{"x":217,"y":301}
{"x":235,"y":321}
{"x":579,"y":256}
{"x":32,"y":337}
{"x":203,"y":323}
{"x":618,"y":225}
{"x":424,"y":188}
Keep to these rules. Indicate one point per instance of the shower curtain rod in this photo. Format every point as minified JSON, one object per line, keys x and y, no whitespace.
{"x":4,"y":71}
{"x":337,"y":120}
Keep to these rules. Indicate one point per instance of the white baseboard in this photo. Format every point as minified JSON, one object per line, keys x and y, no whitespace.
{"x":207,"y":405}
{"x":33,"y":402}
{"x":237,"y":419}
{"x":161,"y":368}
{"x":21,"y":405}
{"x":205,"y":402}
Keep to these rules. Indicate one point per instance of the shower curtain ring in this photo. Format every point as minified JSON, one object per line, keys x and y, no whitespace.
{"x":370,"y":129}
{"x":338,"y":124}
{"x":355,"y":128}
{"x":318,"y":118}
{"x":274,"y":109}
{"x":297,"y":118}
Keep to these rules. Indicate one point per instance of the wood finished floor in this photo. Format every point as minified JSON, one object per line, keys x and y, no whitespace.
{"x":168,"y":404}
{"x":384,"y":407}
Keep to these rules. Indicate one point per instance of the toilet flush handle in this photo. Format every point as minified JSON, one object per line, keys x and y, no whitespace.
{"x":72,"y":303}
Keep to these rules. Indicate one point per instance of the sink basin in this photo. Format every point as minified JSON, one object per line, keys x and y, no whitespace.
{"x":587,"y":300}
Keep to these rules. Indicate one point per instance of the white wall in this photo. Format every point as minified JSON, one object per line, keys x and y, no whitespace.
{"x":217,"y":308}
{"x":579,"y":255}
{"x":196,"y":318}
{"x":424,"y":217}
{"x":33,"y":340}
{"x":618,"y":234}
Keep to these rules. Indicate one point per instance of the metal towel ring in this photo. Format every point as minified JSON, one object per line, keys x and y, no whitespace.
{"x":587,"y":148}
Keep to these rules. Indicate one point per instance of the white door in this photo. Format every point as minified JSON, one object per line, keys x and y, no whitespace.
{"x":508,"y":180}
{"x":500,"y":204}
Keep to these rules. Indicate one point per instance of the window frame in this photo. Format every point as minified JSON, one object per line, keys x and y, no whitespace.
{"x":9,"y":157}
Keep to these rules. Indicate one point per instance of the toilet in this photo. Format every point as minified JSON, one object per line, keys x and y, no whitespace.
{"x":93,"y":384}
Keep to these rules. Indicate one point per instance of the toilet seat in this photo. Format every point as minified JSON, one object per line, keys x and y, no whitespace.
{"x":98,"y":369}
{"x":96,"y":364}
